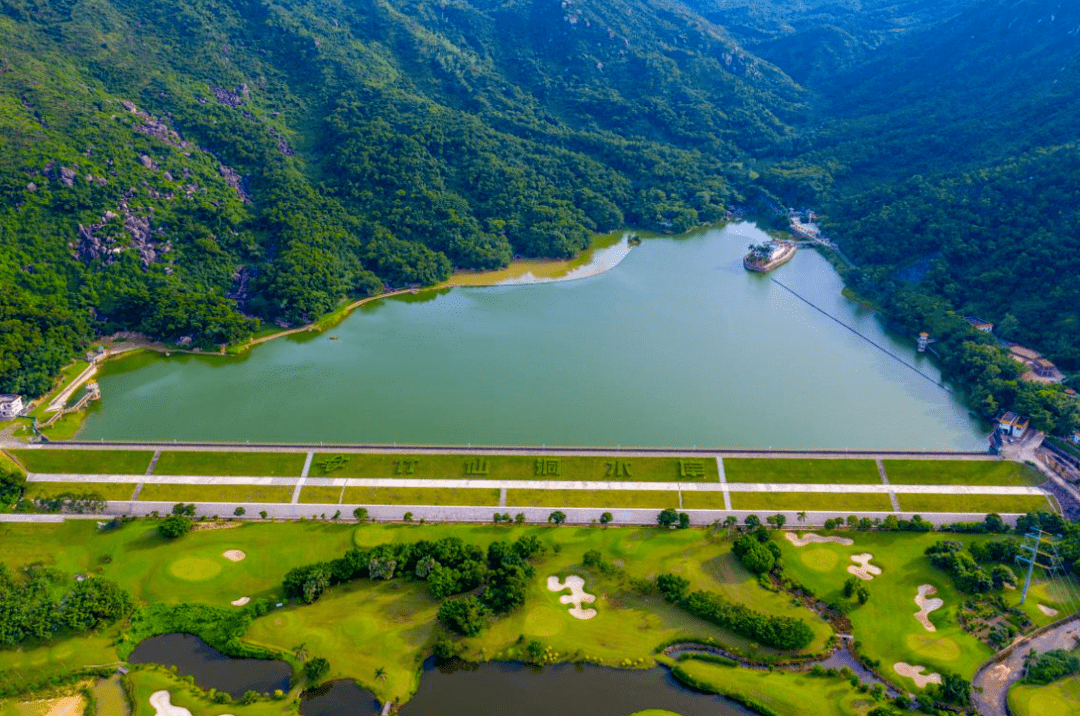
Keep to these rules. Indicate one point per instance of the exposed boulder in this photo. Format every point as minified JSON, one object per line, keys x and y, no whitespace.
{"x":233,"y":179}
{"x":227,"y":98}
{"x":105,"y":240}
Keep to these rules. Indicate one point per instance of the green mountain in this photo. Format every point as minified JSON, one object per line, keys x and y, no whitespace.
{"x":191,"y":169}
{"x":955,"y":148}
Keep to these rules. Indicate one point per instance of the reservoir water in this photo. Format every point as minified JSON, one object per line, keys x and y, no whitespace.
{"x":677,"y":345}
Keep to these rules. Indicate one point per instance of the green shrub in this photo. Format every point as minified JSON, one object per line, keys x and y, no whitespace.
{"x":174,"y":526}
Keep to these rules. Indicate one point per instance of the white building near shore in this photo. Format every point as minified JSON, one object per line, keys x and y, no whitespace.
{"x":10,"y":406}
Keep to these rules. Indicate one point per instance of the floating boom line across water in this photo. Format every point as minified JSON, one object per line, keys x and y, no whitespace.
{"x":880,"y":347}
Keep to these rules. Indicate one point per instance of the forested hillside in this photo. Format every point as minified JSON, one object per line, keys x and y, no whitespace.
{"x":193,"y":169}
{"x":955,"y":155}
{"x":188,"y":168}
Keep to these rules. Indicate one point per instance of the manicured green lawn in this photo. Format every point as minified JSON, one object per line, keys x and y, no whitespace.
{"x":786,"y":694}
{"x":658,"y":499}
{"x":67,"y":426}
{"x":845,"y":472}
{"x":960,"y":472}
{"x":320,"y":495}
{"x":35,"y":664}
{"x":822,"y":501}
{"x":418,"y":496}
{"x":512,"y":467}
{"x":240,"y":464}
{"x":104,"y":490}
{"x":359,"y":628}
{"x":973,"y":503}
{"x":7,"y":464}
{"x":146,"y":680}
{"x":365,"y":625}
{"x":89,"y":462}
{"x":885,"y":627}
{"x":1061,"y":698}
{"x":1058,"y":592}
{"x":140,"y":560}
{"x":215,"y":493}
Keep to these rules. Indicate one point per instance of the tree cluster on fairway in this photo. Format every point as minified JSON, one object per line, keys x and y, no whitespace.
{"x":175,"y":526}
{"x":11,"y":487}
{"x":756,"y":552}
{"x":462,"y":616}
{"x":33,"y":607}
{"x":853,"y":587}
{"x":969,"y":577}
{"x":1046,"y":668}
{"x":315,"y":669}
{"x":779,"y":632}
{"x":448,"y":565}
{"x":991,"y":524}
{"x":671,"y":518}
{"x":998,"y":551}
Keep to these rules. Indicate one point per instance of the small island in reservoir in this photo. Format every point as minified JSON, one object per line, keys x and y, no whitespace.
{"x":764,"y":257}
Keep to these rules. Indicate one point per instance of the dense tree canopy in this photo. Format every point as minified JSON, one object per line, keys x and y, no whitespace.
{"x":191,"y":169}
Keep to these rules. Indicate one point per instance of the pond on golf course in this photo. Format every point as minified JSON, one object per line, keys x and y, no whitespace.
{"x":210,"y":668}
{"x":677,"y":345}
{"x":455,"y":689}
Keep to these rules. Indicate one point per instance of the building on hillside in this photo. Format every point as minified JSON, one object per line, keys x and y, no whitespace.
{"x":924,"y":341}
{"x":1071,"y":393}
{"x":1044,"y":368}
{"x":10,"y":406}
{"x":1040,"y":370}
{"x":979,"y":324}
{"x":1012,"y":424}
{"x":1076,"y":437}
{"x":1024,"y":355}
{"x":93,"y":356}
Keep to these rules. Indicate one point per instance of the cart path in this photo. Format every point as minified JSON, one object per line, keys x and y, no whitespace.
{"x":992,"y":683}
{"x":476,"y":515}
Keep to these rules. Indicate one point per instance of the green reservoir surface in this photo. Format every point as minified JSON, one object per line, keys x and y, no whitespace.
{"x":678,"y":345}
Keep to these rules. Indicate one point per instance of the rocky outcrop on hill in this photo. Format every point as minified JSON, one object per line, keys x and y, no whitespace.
{"x":233,"y":179}
{"x":231,"y":99}
{"x":156,"y":127}
{"x":104,"y":240}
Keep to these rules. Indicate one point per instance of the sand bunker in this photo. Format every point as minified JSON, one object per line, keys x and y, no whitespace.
{"x":162,"y":703}
{"x":1048,"y":611}
{"x":240,"y":602}
{"x":234,"y":555}
{"x":865,"y":570}
{"x":915,"y":672}
{"x":810,"y":537}
{"x":577,"y":595}
{"x":1000,"y":673}
{"x":927,"y":605}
